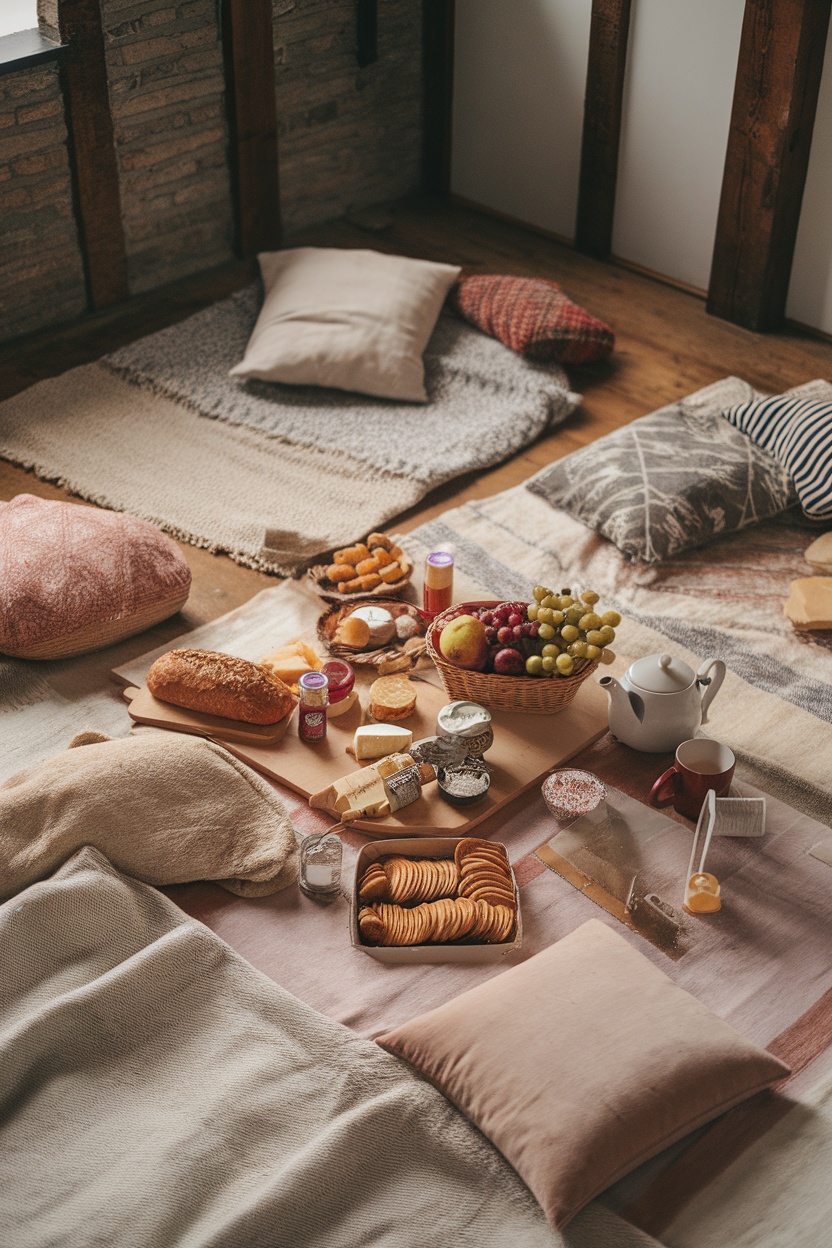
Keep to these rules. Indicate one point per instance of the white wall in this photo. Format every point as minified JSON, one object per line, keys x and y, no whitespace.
{"x":18,"y":15}
{"x":519,"y":78}
{"x":810,"y":292}
{"x":681,"y":66}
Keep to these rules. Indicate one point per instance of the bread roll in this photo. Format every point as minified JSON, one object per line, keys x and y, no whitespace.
{"x":219,"y":684}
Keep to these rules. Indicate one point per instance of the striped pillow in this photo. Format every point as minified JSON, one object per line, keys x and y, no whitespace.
{"x":799,"y":433}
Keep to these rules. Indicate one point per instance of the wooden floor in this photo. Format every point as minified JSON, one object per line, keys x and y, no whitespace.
{"x":666,"y":346}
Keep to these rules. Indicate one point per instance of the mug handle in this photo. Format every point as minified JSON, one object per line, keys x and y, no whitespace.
{"x":664,"y":790}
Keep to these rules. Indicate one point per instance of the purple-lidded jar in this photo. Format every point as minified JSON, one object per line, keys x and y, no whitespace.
{"x":313,"y":692}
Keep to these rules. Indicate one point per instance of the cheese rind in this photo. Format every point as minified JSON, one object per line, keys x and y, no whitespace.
{"x":377,"y":740}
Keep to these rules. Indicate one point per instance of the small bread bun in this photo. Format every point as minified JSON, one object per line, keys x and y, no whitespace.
{"x":219,"y":684}
{"x":351,"y":554}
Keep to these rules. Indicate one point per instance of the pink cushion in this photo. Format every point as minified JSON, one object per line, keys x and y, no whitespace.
{"x":581,"y":1063}
{"x":533,"y":317}
{"x":75,"y":578}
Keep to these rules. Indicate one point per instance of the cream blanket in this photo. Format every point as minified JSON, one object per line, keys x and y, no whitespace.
{"x":165,"y":807}
{"x":158,"y":1092}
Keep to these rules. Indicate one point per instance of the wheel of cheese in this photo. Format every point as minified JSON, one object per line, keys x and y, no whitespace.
{"x":392,"y":698}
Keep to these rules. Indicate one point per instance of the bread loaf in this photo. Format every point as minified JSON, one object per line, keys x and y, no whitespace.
{"x":219,"y":684}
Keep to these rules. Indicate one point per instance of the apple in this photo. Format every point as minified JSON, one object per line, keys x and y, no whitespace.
{"x":509,"y":662}
{"x":463,"y":642}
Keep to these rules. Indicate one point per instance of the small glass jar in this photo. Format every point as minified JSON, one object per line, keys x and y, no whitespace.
{"x":438,"y":591}
{"x":340,"y":679}
{"x":313,"y":696}
{"x":320,"y":866}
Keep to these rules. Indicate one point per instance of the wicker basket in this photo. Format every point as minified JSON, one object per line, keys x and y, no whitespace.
{"x":528,"y":695}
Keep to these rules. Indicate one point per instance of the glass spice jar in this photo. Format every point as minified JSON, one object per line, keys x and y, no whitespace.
{"x":313,"y":692}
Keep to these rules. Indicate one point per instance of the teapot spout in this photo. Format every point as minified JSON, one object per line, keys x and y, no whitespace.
{"x":628,"y":705}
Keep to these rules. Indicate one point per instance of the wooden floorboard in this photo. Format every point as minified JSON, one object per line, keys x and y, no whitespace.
{"x":667,"y":345}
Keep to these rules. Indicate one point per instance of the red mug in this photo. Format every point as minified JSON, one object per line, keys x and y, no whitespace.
{"x":701,"y":764}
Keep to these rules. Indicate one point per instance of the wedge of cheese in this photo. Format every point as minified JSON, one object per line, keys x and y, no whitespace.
{"x":291,"y":661}
{"x":809,"y":605}
{"x":819,"y":554}
{"x":377,"y":740}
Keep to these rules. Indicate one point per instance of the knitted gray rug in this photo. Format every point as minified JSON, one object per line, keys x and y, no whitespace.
{"x":271,"y":474}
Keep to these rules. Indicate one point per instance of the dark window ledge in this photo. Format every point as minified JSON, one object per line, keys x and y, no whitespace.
{"x":25,"y":48}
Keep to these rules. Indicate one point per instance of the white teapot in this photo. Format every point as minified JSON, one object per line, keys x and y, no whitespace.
{"x":660,"y":701}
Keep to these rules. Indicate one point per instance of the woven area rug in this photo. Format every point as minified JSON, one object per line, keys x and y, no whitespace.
{"x":762,"y":963}
{"x":272,"y":475}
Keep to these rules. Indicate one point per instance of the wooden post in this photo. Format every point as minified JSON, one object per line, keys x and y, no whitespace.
{"x":608,"y":33}
{"x":438,"y":77}
{"x":366,"y":32}
{"x":248,"y":50}
{"x":92,"y":152}
{"x":775,"y":97}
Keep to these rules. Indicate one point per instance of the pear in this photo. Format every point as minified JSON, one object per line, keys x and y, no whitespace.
{"x":463,"y":643}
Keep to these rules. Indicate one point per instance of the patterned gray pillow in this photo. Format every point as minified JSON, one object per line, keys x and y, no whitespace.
{"x":670,"y":481}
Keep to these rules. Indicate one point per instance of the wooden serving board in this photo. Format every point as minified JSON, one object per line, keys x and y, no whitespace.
{"x":145,"y":709}
{"x":525,"y":748}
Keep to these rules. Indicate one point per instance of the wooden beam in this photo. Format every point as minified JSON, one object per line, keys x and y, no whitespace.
{"x":775,"y":97}
{"x":438,"y":78}
{"x":248,"y":49}
{"x":608,"y":33}
{"x":92,"y":152}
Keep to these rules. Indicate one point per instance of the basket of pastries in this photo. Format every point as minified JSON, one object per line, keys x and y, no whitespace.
{"x":376,"y":568}
{"x":530,"y":657}
{"x":382,"y":633}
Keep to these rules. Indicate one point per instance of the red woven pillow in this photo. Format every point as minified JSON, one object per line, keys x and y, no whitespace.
{"x":532,"y":316}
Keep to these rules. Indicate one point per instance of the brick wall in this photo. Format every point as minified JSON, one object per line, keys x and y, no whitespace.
{"x":164,"y":64}
{"x":41,"y":273}
{"x":348,"y":136}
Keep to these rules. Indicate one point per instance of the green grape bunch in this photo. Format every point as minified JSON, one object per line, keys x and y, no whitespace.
{"x":568,"y":628}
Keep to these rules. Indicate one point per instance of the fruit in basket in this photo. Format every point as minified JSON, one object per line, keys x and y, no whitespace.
{"x":509,"y":662}
{"x":464,"y":643}
{"x":554,"y":635}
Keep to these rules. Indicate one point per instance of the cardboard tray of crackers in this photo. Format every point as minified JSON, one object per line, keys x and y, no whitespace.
{"x":464,"y":888}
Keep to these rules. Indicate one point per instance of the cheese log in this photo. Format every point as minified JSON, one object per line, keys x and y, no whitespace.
{"x":219,"y":684}
{"x":376,"y":740}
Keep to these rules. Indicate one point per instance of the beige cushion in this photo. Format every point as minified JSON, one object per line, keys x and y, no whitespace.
{"x":581,"y":1063}
{"x":76,"y":578}
{"x":164,"y":807}
{"x":355,"y":320}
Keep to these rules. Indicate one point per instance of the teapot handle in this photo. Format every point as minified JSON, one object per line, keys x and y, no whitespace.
{"x":711,"y":682}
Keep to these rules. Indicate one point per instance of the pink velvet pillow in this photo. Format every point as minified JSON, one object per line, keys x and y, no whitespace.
{"x":75,"y":578}
{"x":581,"y":1063}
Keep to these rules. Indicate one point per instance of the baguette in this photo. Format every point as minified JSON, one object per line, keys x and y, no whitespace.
{"x":219,"y":684}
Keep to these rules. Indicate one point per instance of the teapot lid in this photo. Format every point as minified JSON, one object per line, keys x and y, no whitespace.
{"x":661,"y":673}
